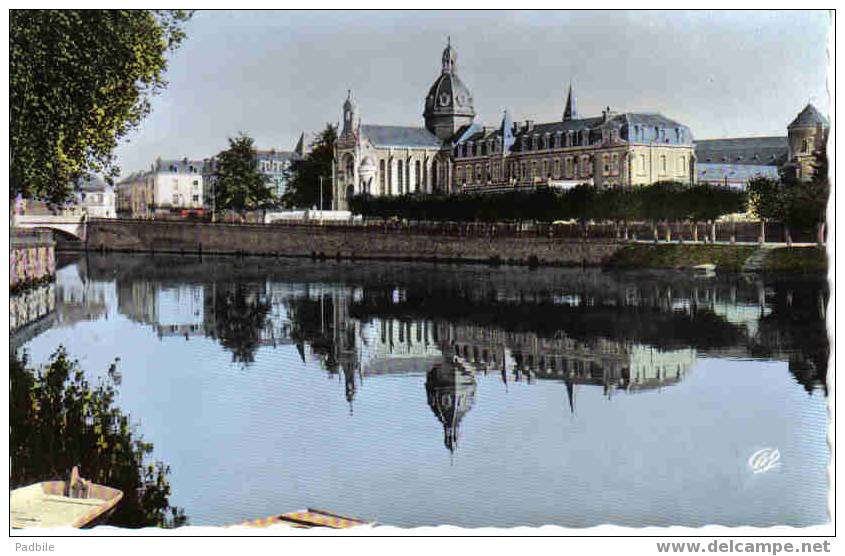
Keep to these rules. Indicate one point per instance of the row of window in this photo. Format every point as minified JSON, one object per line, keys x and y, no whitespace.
{"x":559,"y":140}
{"x":557,"y":168}
{"x":405,"y":182}
{"x":274,"y":166}
{"x":191,"y":169}
{"x":195,"y":184}
{"x":569,"y":168}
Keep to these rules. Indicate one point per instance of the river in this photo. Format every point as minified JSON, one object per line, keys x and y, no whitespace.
{"x":422,"y":394}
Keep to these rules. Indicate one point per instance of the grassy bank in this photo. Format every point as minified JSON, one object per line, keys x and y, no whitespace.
{"x":725,"y":257}
{"x":804,"y":260}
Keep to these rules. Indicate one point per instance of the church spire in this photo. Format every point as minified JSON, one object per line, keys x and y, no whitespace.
{"x":570,"y":113}
{"x":450,"y":57}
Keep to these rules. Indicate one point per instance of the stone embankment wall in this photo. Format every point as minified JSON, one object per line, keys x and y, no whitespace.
{"x":346,"y":242}
{"x":32,"y":258}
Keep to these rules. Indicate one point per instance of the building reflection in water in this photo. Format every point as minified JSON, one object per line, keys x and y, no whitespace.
{"x":450,"y":389}
{"x":620,"y":333}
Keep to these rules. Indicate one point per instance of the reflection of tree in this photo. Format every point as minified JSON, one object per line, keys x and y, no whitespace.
{"x":649,"y":321}
{"x":58,"y":420}
{"x":239,"y":315}
{"x":796,"y":329}
{"x":312,"y":324}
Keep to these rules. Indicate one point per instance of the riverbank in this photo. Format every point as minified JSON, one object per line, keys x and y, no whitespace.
{"x":733,"y":258}
{"x":461,"y":244}
{"x":443,"y":244}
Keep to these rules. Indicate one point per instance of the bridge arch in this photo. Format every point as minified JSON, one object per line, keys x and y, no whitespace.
{"x":74,"y":226}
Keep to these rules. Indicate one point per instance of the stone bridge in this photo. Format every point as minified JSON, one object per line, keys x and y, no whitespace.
{"x":72,"y":224}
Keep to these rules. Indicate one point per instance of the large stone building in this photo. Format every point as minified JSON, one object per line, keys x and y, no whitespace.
{"x":453,"y":153}
{"x":732,"y":162}
{"x":168,"y":186}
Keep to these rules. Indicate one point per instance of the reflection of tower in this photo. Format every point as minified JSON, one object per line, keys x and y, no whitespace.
{"x":451,"y":392}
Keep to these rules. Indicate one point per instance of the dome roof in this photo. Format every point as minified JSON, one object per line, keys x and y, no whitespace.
{"x":450,"y":390}
{"x":448,"y":95}
{"x":808,"y":117}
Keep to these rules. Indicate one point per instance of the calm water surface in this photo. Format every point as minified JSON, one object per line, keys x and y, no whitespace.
{"x":469,"y":395}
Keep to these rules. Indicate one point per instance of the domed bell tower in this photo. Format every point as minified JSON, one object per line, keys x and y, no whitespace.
{"x":807,"y":133}
{"x":351,"y":118}
{"x":448,"y":104}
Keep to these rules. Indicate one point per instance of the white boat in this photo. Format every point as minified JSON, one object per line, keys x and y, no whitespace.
{"x":72,"y":503}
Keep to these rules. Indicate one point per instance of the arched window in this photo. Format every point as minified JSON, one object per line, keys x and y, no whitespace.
{"x":459,"y":174}
{"x":399,"y":176}
{"x":479,"y":176}
{"x":417,"y":175}
{"x":682,"y":164}
{"x":614,"y":168}
{"x":605,"y":164}
{"x":663,"y":163}
{"x":557,"y":167}
{"x":805,"y":146}
{"x":642,"y":164}
{"x":425,"y":177}
{"x":382,"y":177}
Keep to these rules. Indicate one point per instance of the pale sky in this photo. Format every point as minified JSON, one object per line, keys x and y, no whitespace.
{"x":276,"y":74}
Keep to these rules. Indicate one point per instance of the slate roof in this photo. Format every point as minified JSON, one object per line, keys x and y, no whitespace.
{"x":272,"y":154}
{"x":765,"y":151}
{"x":568,"y":125}
{"x":809,"y":117}
{"x":400,"y":136}
{"x":182,"y":166}
{"x":733,"y":172}
{"x":93,"y":183}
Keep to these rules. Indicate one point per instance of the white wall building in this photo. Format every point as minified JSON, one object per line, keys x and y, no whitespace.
{"x":169,"y":186}
{"x":97,"y":199}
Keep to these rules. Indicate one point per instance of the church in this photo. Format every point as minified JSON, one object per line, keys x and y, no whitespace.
{"x":452,"y":153}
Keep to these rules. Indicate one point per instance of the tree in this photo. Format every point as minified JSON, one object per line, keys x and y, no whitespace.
{"x":303,"y":175}
{"x":238,"y":183}
{"x":765,"y":198}
{"x":708,"y":202}
{"x":57,"y":419}
{"x":79,"y":82}
{"x":818,"y":193}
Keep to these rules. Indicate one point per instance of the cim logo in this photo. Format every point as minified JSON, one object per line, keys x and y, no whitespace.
{"x":764,"y":460}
